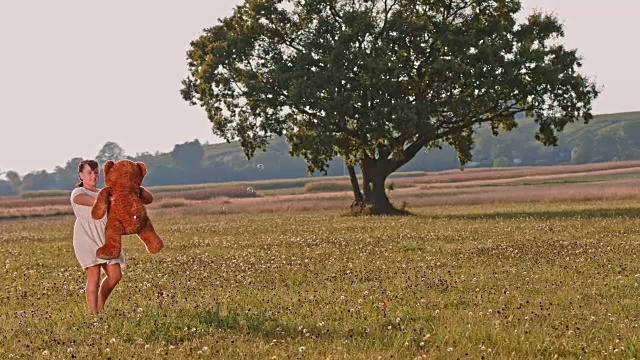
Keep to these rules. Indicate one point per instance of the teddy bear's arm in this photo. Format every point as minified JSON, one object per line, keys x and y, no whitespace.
{"x":145,"y":196}
{"x":101,"y":204}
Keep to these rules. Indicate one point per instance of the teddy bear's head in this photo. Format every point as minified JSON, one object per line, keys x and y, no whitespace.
{"x":124,"y":173}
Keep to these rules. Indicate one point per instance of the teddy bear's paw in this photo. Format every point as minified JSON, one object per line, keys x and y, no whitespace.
{"x":107,"y":254}
{"x":155,"y":248}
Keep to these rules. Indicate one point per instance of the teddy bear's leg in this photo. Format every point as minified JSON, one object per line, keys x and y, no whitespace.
{"x":112,"y":241}
{"x":152,"y":241}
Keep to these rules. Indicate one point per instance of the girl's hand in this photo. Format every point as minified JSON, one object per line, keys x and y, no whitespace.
{"x":101,"y":205}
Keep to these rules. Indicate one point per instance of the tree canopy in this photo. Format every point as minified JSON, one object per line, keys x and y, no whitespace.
{"x":110,"y":151}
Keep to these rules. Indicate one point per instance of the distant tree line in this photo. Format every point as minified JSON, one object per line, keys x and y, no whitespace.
{"x":607,"y":139}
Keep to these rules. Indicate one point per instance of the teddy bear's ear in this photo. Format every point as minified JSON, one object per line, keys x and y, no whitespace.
{"x":143,"y":168}
{"x":107,"y":166}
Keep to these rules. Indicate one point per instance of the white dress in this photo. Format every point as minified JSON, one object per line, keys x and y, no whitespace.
{"x":88,"y":234}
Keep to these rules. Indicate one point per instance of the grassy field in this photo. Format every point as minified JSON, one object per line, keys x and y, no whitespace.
{"x":535,"y":269}
{"x":453,"y":281}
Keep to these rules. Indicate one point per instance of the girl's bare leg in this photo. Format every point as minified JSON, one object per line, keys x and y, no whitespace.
{"x":91,"y":290}
{"x":110,"y":281}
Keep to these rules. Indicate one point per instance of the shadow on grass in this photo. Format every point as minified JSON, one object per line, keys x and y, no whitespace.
{"x":174,"y":328}
{"x":177,"y":327}
{"x":597,"y":213}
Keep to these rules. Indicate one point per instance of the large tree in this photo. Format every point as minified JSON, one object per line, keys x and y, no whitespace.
{"x":376,"y":81}
{"x":15,"y":180}
{"x":110,"y":151}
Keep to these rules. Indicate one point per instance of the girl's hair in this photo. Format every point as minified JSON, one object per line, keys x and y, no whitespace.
{"x":92,"y":165}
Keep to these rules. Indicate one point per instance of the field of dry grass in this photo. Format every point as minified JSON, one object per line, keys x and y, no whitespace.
{"x":607,"y":181}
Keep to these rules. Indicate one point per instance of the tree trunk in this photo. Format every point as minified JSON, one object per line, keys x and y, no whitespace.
{"x":375,"y":200}
{"x":357,"y":194}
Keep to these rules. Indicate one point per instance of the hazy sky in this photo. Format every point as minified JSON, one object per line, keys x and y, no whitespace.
{"x":76,"y":74}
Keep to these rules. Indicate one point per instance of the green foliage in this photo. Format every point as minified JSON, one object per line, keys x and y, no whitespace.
{"x":43,"y":193}
{"x":110,"y":151}
{"x":501,"y":162}
{"x":188,"y":155}
{"x":6,"y":189}
{"x":378,"y":80}
{"x":327,"y":186}
{"x":15,"y":180}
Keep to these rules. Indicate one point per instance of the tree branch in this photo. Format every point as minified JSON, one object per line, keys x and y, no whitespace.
{"x":280,"y":34}
{"x":334,"y":11}
{"x":387,"y":11}
{"x":423,"y":139}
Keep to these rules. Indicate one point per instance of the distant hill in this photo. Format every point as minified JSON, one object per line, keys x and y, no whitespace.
{"x":608,"y":137}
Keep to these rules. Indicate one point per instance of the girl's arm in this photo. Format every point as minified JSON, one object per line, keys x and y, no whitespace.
{"x":84,"y":199}
{"x":102,"y":203}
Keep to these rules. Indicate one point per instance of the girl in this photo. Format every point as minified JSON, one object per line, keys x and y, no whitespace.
{"x":88,"y":236}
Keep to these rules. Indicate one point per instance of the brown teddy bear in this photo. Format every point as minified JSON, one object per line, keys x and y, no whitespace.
{"x":123,"y":199}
